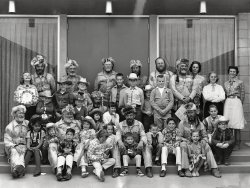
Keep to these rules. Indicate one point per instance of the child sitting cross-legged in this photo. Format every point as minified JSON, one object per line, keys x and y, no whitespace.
{"x":131,"y":152}
{"x":97,"y":154}
{"x":196,"y":154}
{"x":223,"y":141}
{"x":155,"y":141}
{"x":66,"y":151}
{"x":171,"y":145}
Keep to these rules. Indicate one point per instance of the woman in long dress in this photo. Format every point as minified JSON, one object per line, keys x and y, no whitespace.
{"x":233,"y":109}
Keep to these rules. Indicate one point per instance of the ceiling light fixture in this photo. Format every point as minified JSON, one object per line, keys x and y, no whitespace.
{"x":109,"y":10}
{"x":12,"y":7}
{"x":203,"y":7}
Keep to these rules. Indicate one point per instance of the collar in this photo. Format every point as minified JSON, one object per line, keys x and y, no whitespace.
{"x":43,"y":75}
{"x":16,"y":124}
{"x":133,"y":88}
{"x":123,"y":86}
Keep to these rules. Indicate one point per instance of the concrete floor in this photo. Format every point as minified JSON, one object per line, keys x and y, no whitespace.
{"x":131,"y":181}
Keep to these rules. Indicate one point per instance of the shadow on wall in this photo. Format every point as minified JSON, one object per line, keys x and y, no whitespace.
{"x":14,"y":60}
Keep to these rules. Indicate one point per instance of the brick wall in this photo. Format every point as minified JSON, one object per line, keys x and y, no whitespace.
{"x":243,"y":39}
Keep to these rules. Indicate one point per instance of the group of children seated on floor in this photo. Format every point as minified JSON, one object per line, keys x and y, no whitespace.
{"x":98,"y":142}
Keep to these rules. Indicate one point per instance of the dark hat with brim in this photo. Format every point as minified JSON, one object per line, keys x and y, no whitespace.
{"x":96,"y":110}
{"x":64,"y":80}
{"x":128,"y":110}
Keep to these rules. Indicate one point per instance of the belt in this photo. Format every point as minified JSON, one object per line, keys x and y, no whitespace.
{"x":233,"y":96}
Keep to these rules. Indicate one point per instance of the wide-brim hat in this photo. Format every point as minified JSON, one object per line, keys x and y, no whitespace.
{"x":68,"y":109}
{"x":222,"y":119}
{"x":190,"y":106}
{"x":64,"y":80}
{"x":46,"y":93}
{"x":96,"y":110}
{"x":83,"y":80}
{"x":89,"y":120}
{"x":50,"y":125}
{"x":132,"y":76}
{"x":148,"y":88}
{"x":18,"y":108}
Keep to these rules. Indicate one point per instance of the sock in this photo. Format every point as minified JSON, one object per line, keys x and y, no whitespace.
{"x":125,"y":168}
{"x":83,"y":168}
{"x":179,"y":167}
{"x":157,"y":158}
{"x":59,"y":170}
{"x":163,"y":167}
{"x":138,"y":168}
{"x":68,"y":170}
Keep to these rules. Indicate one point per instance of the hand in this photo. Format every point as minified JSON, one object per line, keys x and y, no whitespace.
{"x":186,"y":99}
{"x":121,"y":145}
{"x":140,"y":146}
{"x":225,"y":145}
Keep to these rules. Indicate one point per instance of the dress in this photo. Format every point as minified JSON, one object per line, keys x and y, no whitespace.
{"x":233,"y":109}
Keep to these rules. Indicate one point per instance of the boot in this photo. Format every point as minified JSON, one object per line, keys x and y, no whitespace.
{"x":116,"y":172}
{"x":38,"y":163}
{"x":149,"y":172}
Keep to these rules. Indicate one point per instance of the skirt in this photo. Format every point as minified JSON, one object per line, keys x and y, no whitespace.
{"x":233,"y":110}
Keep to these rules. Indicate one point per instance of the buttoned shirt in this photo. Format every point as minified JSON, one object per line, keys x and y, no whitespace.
{"x":213,"y":93}
{"x":186,"y":129}
{"x":211,"y":123}
{"x":132,"y":96}
{"x":44,"y":82}
{"x":153,"y":78}
{"x":136,"y":129}
{"x":104,"y":82}
{"x":111,"y":118}
{"x":15,"y":133}
{"x":235,"y":87}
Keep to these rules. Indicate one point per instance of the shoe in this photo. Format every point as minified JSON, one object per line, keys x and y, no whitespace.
{"x":59,"y":177}
{"x":188,"y":173}
{"x":37,"y":173}
{"x":194,"y":174}
{"x":74,"y":165}
{"x":101,"y":177}
{"x":163,"y":173}
{"x":139,"y":173}
{"x":215,"y":172}
{"x":68,"y":176}
{"x":197,"y":174}
{"x":227,"y":162}
{"x":149,"y":172}
{"x":124,"y":172}
{"x":116,"y":172}
{"x":15,"y":174}
{"x":84,"y":174}
{"x":181,"y":173}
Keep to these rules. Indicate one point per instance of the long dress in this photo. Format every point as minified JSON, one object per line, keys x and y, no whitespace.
{"x":233,"y":109}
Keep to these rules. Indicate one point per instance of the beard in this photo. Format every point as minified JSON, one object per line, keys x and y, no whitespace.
{"x":161,"y":69}
{"x":39,"y":71}
{"x":130,"y":121}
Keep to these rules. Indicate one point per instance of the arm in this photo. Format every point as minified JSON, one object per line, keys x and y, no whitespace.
{"x":8,"y":141}
{"x":151,"y":80}
{"x":39,"y":108}
{"x":122,"y":98}
{"x":171,"y":102}
{"x":215,"y":140}
{"x":149,"y":138}
{"x":142,"y":99}
{"x":221,"y":93}
{"x":242,"y":92}
{"x":143,"y":137}
{"x":195,"y":86}
{"x":89,"y":103}
{"x":152,"y":102}
{"x":176,"y":93}
{"x":96,"y":83}
{"x":160,"y":138}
